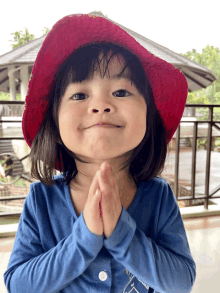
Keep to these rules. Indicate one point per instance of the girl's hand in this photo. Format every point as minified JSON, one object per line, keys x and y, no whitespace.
{"x":111,"y":207}
{"x":91,"y":212}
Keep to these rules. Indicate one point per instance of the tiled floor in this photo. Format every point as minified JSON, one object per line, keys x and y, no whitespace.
{"x":6,"y":245}
{"x":204,"y":241}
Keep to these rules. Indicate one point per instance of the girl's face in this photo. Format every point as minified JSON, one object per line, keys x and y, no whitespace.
{"x":85,"y":104}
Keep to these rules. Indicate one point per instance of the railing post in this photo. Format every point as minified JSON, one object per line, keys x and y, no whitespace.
{"x":177,"y":162}
{"x":194,"y":147}
{"x":208,"y":157}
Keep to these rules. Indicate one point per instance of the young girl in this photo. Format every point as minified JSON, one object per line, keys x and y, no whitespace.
{"x":101,"y":110}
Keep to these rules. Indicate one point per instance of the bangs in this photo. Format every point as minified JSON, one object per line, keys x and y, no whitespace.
{"x":85,"y":61}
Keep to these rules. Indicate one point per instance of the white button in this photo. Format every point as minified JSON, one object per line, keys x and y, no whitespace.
{"x":102,"y":276}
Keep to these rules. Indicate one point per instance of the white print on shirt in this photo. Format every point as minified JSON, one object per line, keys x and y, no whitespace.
{"x":135,"y":285}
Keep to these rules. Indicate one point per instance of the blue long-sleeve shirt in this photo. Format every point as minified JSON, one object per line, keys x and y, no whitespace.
{"x":54,"y":251}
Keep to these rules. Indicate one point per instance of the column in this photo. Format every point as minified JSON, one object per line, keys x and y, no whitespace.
{"x":24,"y":81}
{"x":12,"y":85}
{"x":24,"y":76}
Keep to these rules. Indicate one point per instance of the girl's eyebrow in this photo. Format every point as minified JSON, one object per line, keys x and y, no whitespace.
{"x":124,"y":76}
{"x":113,"y":77}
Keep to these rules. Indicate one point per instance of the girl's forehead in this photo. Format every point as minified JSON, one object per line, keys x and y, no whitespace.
{"x":111,"y":66}
{"x":115,"y":61}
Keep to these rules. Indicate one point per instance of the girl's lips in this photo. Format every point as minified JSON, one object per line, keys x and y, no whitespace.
{"x":106,"y":126}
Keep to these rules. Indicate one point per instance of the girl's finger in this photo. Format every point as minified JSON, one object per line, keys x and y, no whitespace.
{"x":104,"y":183}
{"x":94,"y":186}
{"x":110,"y":178}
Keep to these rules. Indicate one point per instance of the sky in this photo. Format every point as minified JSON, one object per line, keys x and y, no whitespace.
{"x":178,"y":25}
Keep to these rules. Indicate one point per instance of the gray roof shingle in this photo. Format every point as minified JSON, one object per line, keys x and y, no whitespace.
{"x":25,"y":53}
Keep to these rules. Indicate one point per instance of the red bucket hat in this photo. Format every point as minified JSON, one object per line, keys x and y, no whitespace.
{"x":168,"y":84}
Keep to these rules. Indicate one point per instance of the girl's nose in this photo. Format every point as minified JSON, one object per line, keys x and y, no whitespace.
{"x":105,"y":110}
{"x":102,"y":103}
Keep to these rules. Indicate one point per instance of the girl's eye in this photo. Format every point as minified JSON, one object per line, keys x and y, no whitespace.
{"x":119,"y":93}
{"x":122,"y":93}
{"x":77,"y":95}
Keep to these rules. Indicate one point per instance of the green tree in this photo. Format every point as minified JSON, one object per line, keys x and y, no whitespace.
{"x":210,"y":57}
{"x":21,"y":38}
{"x":46,"y":30}
{"x":4,"y":96}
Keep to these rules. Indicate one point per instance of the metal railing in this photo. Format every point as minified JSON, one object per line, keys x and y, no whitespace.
{"x":210,"y":122}
{"x":11,"y":109}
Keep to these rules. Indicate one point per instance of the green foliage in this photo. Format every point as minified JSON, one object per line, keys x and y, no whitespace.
{"x":197,"y":99}
{"x":6,"y":97}
{"x":202,"y":143}
{"x":205,"y":113}
{"x":210,"y":57}
{"x":46,"y":30}
{"x":21,"y":38}
{"x":18,"y":97}
{"x":217,"y":142}
{"x":20,"y":182}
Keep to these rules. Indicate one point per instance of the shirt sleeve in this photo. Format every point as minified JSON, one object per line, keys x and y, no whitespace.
{"x":166,"y":265}
{"x":31,"y":269}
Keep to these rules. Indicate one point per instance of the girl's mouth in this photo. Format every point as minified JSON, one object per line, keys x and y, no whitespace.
{"x":106,"y":126}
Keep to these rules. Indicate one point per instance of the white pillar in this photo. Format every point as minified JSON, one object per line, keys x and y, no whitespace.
{"x":24,"y":77}
{"x":12,"y":88}
{"x":24,"y":81}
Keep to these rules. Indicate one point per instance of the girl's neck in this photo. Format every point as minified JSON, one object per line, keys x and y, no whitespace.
{"x":81,"y":183}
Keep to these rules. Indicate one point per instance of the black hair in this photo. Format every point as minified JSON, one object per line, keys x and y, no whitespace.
{"x":145,"y":162}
